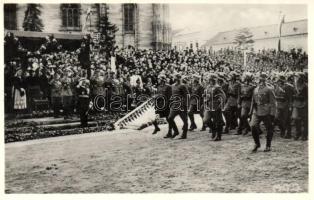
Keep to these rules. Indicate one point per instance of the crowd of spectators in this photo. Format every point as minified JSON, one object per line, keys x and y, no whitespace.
{"x":52,"y":73}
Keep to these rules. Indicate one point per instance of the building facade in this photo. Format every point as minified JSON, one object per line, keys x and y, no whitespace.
{"x":294,"y":34}
{"x":139,"y":25}
{"x":189,"y":38}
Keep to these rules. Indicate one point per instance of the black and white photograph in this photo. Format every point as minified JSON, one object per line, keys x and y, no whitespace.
{"x":155,"y":98}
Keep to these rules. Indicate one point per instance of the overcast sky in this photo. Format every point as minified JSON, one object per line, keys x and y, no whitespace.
{"x":214,"y":18}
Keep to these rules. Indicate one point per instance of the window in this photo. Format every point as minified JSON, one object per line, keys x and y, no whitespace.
{"x":295,"y":29}
{"x":10,"y":16}
{"x":70,"y":16}
{"x":129,"y":17}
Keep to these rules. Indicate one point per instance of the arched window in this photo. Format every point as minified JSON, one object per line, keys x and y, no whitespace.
{"x":129,"y":17}
{"x":70,"y":16}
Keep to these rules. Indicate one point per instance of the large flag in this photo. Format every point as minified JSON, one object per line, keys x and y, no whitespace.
{"x":282,"y":20}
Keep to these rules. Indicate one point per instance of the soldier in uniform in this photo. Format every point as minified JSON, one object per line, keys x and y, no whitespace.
{"x":213,"y":104}
{"x":245,"y":103}
{"x":98,"y":89}
{"x":263,"y":106}
{"x":178,"y":106}
{"x":83,"y":100}
{"x":233,"y":98}
{"x":162,"y":103}
{"x":289,"y":85}
{"x":196,"y":101}
{"x":300,"y":107}
{"x":282,"y":108}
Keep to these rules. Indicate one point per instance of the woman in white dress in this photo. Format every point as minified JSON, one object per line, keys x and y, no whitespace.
{"x":19,"y":93}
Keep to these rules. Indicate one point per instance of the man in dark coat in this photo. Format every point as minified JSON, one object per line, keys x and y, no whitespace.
{"x":263,"y":106}
{"x":282,"y":100}
{"x":300,"y":107}
{"x":196,"y":100}
{"x":162,"y":103}
{"x":245,"y":102}
{"x":214,"y":102}
{"x":83,"y":100}
{"x":233,"y":98}
{"x":178,"y":106}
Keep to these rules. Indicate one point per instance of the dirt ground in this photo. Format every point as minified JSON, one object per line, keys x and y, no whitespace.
{"x":136,"y":161}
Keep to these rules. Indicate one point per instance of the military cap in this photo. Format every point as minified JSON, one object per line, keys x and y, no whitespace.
{"x":197,"y":77}
{"x":263,"y":76}
{"x":162,"y":76}
{"x":176,"y":74}
{"x":281,"y":77}
{"x":212,"y":76}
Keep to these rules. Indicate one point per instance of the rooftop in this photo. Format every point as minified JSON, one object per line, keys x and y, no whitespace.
{"x":262,"y":32}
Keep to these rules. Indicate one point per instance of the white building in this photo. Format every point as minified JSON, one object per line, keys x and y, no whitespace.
{"x":294,"y":35}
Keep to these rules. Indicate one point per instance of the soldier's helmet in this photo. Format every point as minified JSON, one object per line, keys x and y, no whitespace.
{"x":263,"y":76}
{"x":177,"y":75}
{"x":301,"y":77}
{"x":233,"y":75}
{"x":281,"y":78}
{"x":162,"y":77}
{"x":221,"y":76}
{"x":290,"y":76}
{"x":248,"y":76}
{"x":212,"y":76}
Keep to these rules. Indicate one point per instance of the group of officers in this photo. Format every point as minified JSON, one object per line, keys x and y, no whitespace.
{"x":236,"y":102}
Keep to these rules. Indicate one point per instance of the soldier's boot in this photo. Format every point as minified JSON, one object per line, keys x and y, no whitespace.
{"x":157,"y":129}
{"x":203,"y":128}
{"x":268,"y":144}
{"x":184,"y":134}
{"x":298,"y":129}
{"x":169,"y":134}
{"x":288,"y":135}
{"x":247,"y":130}
{"x":282,"y":133}
{"x":226,"y":131}
{"x":192,"y":127}
{"x":214,"y":133}
{"x":304,"y":136}
{"x":175,"y":131}
{"x":219,"y":131}
{"x":255,"y":134}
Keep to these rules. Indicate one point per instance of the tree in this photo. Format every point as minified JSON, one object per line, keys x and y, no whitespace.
{"x":244,"y":38}
{"x":107,"y":31}
{"x":244,"y":41}
{"x":32,"y":21}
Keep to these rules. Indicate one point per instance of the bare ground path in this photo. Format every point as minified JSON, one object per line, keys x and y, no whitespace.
{"x":137,"y":161}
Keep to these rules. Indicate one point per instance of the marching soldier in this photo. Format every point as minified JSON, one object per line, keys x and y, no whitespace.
{"x":83,"y":102}
{"x":233,"y":98}
{"x":263,"y":106}
{"x":289,"y":85}
{"x":282,"y":108}
{"x":245,"y":103}
{"x":300,"y":108}
{"x":178,"y":106}
{"x":196,"y":101}
{"x":213,"y":104}
{"x":162,"y":103}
